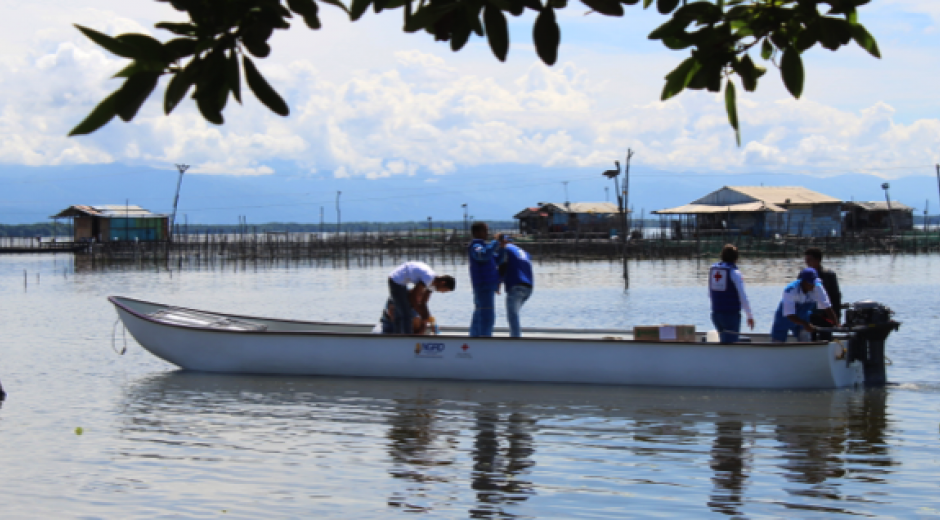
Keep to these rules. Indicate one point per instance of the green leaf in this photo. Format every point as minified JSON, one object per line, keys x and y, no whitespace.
{"x":666,"y":6}
{"x":257,"y":48}
{"x":474,"y":18}
{"x":767,"y":49}
{"x":670,"y":29}
{"x":679,"y":78}
{"x":427,"y":16}
{"x":182,"y":29}
{"x":262,"y":89}
{"x":732,"y":108}
{"x":547,"y":36}
{"x":791,"y":68}
{"x":607,"y":7}
{"x":178,"y":87}
{"x":357,"y":8}
{"x":865,"y":40}
{"x":701,"y":12}
{"x":144,"y":48}
{"x":100,"y":116}
{"x":308,"y":10}
{"x":179,"y":48}
{"x":210,"y":110}
{"x":460,"y":30}
{"x":233,"y":76}
{"x":497,"y":31}
{"x":110,"y":44}
{"x":336,"y":3}
{"x":748,"y":71}
{"x":136,"y":67}
{"x":134,"y":92}
{"x":676,"y":43}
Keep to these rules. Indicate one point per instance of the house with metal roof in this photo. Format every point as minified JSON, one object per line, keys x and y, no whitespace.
{"x":114,"y":222}
{"x":866,"y":217}
{"x":764,"y":211}
{"x":550,"y":217}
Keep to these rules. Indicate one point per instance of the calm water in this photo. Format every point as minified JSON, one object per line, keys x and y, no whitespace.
{"x":157,"y":442}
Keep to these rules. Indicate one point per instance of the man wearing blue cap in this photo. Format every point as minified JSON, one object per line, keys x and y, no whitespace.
{"x":800,"y":298}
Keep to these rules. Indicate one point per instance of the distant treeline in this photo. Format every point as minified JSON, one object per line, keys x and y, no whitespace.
{"x":47,"y":229}
{"x":346,"y":227}
{"x":42,"y":229}
{"x":63,"y":229}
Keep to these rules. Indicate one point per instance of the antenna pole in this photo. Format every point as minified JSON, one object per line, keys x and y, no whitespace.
{"x":626,"y":187}
{"x":182,"y":169}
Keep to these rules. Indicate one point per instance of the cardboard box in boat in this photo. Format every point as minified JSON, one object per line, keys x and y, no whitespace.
{"x":664,"y":333}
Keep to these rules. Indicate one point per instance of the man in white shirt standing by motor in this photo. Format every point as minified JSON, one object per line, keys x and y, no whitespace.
{"x":425,"y":281}
{"x":726,"y":289}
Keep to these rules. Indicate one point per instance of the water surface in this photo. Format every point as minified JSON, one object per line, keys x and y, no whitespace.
{"x":158,"y":442}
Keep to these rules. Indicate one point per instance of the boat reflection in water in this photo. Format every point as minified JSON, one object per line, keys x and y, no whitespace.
{"x":500,"y":449}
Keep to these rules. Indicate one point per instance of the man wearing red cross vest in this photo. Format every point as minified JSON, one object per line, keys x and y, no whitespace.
{"x":726,"y":288}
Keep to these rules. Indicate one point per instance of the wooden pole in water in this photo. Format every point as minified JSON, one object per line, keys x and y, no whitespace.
{"x":624,"y":204}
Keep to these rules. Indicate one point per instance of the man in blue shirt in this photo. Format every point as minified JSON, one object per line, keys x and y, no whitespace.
{"x":516,"y":274}
{"x":484,"y":277}
{"x":726,"y":289}
{"x":800,"y":298}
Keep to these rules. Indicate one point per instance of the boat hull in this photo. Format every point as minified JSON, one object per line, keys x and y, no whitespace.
{"x":299,"y":348}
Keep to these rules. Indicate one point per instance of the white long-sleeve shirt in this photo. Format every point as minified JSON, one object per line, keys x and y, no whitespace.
{"x":738,"y":281}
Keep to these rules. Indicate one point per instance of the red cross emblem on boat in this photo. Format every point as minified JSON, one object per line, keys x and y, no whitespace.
{"x":718,"y":276}
{"x":465,"y":347}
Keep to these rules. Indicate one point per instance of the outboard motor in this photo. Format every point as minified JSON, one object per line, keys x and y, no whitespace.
{"x":871,"y":323}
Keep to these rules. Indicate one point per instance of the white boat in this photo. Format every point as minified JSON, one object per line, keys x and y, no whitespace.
{"x":214,"y":342}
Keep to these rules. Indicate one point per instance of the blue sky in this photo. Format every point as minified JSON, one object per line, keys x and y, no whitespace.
{"x":385,"y":116}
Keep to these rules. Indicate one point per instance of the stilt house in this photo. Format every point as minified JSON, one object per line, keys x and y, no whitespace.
{"x":764,"y":211}
{"x":862,"y":217}
{"x":554,"y":217}
{"x":107,"y":223}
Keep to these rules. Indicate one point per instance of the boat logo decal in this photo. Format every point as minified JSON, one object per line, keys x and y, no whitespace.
{"x":464,"y":354}
{"x":429,"y":350}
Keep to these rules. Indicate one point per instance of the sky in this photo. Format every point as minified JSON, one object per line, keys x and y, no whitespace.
{"x":405,"y":129}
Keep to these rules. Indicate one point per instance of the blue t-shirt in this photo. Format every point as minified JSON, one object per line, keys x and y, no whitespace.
{"x":482,"y":261}
{"x":518,"y":267}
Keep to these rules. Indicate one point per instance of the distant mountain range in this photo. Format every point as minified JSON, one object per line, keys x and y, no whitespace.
{"x":32,"y":194}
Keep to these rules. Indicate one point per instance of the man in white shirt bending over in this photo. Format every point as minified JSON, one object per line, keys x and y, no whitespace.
{"x":425,"y":281}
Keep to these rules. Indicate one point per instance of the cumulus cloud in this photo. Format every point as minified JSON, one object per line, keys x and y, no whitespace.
{"x":418,"y":115}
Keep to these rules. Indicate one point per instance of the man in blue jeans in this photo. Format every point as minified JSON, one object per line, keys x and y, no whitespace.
{"x":516,"y":274}
{"x":484,"y":277}
{"x":726,"y":289}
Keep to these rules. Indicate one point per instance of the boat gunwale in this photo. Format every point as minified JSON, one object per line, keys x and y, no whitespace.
{"x":115,"y":301}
